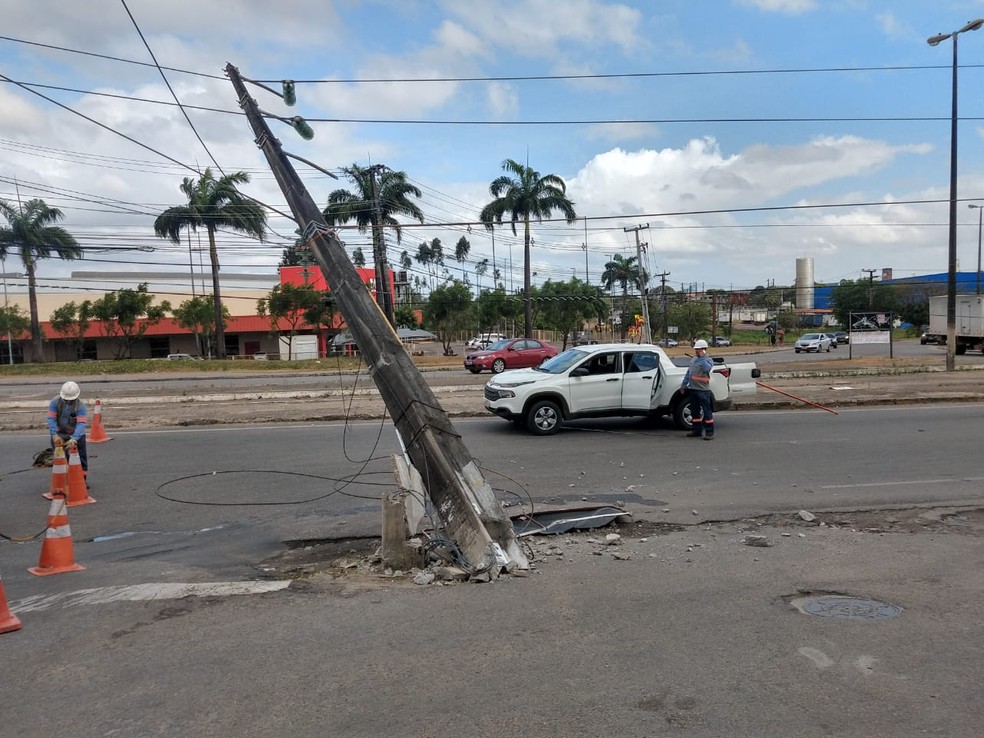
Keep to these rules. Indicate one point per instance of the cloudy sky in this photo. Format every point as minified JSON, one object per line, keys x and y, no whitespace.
{"x":743,"y":133}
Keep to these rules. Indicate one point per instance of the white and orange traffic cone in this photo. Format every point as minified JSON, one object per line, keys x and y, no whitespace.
{"x":59,"y":473}
{"x":57,"y":552}
{"x":97,"y":434}
{"x":7,"y":620}
{"x":78,"y":492}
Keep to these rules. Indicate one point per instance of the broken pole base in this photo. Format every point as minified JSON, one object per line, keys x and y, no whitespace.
{"x":397,"y":552}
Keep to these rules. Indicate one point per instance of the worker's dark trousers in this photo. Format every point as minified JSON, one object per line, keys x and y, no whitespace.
{"x":700,"y":411}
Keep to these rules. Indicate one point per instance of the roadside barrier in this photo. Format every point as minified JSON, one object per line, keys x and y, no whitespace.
{"x":97,"y":434}
{"x":59,"y":473}
{"x":78,"y":492}
{"x":57,"y":552}
{"x":8,"y":622}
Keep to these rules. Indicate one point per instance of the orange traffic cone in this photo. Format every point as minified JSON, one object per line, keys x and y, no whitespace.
{"x":59,"y":473}
{"x":78,"y":492}
{"x":57,"y":553}
{"x":7,"y":620}
{"x":98,"y":433}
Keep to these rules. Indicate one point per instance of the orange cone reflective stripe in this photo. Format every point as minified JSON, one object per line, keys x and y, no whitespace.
{"x":57,"y":552}
{"x":59,"y":473}
{"x":78,"y":492}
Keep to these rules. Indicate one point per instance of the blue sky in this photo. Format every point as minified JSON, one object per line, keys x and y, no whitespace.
{"x":745,"y":133}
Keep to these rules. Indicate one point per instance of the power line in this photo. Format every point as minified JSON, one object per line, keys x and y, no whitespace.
{"x":170,"y":89}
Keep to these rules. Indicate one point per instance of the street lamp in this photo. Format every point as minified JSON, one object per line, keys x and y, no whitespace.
{"x":951,"y":274}
{"x":980,"y":222}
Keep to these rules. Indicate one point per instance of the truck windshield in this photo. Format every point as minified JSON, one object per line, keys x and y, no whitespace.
{"x":562,"y":362}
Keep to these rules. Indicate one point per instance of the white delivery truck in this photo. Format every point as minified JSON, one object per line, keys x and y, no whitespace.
{"x":969,"y":322}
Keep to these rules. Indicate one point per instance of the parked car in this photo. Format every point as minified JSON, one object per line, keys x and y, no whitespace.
{"x":842,"y":337}
{"x":813,"y":342}
{"x":927,"y":337}
{"x":183,"y":357}
{"x":720,"y":341}
{"x":667,"y":343}
{"x":509,"y":353}
{"x":484,"y":340}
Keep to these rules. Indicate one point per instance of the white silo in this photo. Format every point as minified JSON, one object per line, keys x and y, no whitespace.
{"x":804,"y":283}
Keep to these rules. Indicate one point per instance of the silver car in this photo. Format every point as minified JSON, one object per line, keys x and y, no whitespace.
{"x":813,"y":342}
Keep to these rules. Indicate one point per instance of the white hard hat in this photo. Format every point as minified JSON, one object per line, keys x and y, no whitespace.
{"x":700,"y":343}
{"x":70,"y":391}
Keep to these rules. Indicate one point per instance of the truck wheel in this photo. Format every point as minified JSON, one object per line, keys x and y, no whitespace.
{"x":543,"y":418}
{"x":681,"y":415}
{"x":498,"y":366}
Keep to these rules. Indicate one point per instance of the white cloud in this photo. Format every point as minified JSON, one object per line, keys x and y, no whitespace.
{"x":622,"y":131}
{"x":16,"y":114}
{"x":503,"y":100}
{"x":892,"y":27}
{"x":789,"y":7}
{"x":537,"y":28}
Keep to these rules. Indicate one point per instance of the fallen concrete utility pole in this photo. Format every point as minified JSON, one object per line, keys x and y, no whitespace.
{"x":471,"y":515}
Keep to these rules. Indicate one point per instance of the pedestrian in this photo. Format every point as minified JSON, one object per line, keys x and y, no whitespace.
{"x":67,"y":421}
{"x":782,"y":337}
{"x":697,"y":385}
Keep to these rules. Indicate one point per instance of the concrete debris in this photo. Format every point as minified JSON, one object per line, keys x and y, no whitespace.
{"x":694,"y":512}
{"x":423,"y":577}
{"x":807,"y":516}
{"x":454,"y":574}
{"x":760,"y":541}
{"x":612,"y":538}
{"x":621,"y":556}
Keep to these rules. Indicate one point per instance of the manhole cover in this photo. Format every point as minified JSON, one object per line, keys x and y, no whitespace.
{"x":848,"y":608}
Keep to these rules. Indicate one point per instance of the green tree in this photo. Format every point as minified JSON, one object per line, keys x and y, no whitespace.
{"x":406,"y":316}
{"x":692,"y":318}
{"x":481,"y":269}
{"x":461,"y":250}
{"x":198,"y":316}
{"x":73,"y":320}
{"x":566,"y":306}
{"x":213,"y":204}
{"x":323,"y":312}
{"x":522,"y":194}
{"x":863,"y":296}
{"x":13,"y":323}
{"x":448,"y":312}
{"x":621,"y":271}
{"x":288,"y":303}
{"x":494,"y":308}
{"x":370,"y":206}
{"x":31,"y":235}
{"x":120,"y":312}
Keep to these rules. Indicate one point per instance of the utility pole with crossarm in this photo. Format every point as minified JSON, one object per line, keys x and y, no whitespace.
{"x":469,"y":511}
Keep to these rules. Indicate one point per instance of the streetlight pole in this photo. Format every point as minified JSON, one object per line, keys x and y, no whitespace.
{"x":980,"y":222}
{"x":951,"y":275}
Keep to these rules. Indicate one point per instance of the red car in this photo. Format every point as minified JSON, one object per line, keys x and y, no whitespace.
{"x":511,"y":353}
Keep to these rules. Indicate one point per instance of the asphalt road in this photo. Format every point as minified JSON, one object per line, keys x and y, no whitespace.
{"x":685,"y":633}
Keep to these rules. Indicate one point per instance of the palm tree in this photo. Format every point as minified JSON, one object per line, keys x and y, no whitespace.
{"x":31,"y":235}
{"x":461,"y":250}
{"x":213,"y":204}
{"x":375,"y":204}
{"x":523,"y":196}
{"x":622,"y":271}
{"x":481,"y":269}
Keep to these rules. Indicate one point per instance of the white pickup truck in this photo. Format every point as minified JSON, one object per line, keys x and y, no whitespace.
{"x":607,"y":380}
